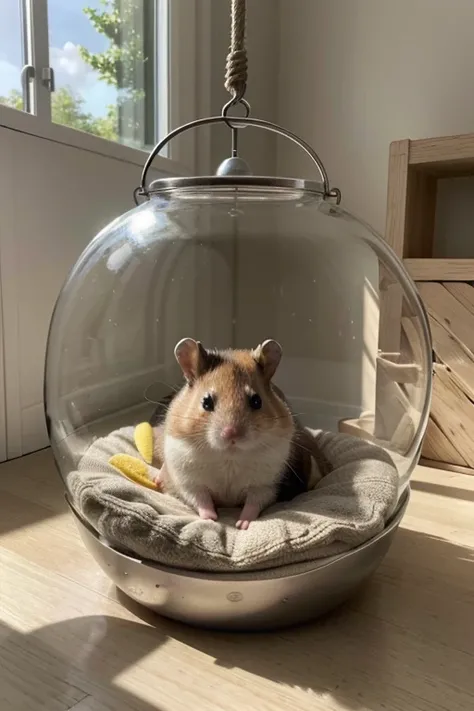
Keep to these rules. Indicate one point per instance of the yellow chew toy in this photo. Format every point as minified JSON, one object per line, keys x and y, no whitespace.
{"x":135,"y":469}
{"x":144,"y":441}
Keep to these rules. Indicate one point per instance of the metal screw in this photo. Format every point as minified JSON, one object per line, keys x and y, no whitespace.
{"x":235,"y":597}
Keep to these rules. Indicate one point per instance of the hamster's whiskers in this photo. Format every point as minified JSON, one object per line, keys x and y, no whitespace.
{"x":158,"y":382}
{"x":282,"y":417}
{"x":272,"y":449}
{"x":183,"y":417}
{"x":305,"y":449}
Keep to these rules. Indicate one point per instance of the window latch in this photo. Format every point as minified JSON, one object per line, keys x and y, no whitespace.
{"x":47,"y":78}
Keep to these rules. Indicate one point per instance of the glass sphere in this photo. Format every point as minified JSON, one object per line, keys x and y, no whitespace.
{"x":231,"y":262}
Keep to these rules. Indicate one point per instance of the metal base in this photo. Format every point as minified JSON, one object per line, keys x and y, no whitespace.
{"x":238,"y":601}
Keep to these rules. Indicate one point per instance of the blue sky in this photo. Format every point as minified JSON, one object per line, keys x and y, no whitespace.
{"x":68,"y":28}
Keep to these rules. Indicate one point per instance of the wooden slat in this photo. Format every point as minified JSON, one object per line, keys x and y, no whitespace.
{"x":437,"y":447}
{"x":440,"y":269}
{"x":394,"y":415}
{"x":399,"y":372}
{"x":413,"y":338}
{"x":390,"y":292}
{"x":453,"y":413}
{"x":397,"y":195}
{"x":362,"y":427}
{"x":451,"y":353}
{"x":462,"y":292}
{"x":443,"y":307}
{"x":391,"y":299}
{"x":453,"y":151}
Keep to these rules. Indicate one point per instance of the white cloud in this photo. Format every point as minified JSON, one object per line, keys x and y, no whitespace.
{"x":70,"y":68}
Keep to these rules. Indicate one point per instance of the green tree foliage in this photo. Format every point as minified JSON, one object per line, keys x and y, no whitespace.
{"x":67,"y":109}
{"x":116,"y":20}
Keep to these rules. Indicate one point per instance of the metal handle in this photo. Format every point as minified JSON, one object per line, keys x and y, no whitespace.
{"x":26,"y":75}
{"x":240,"y":121}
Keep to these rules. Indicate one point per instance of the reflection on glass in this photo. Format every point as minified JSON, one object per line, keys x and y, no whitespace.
{"x":103,"y":53}
{"x":11,"y":53}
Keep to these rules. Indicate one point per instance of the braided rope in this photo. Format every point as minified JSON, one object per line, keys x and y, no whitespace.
{"x":236,"y":62}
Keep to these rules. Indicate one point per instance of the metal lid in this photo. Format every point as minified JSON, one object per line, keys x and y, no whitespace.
{"x":228,"y":183}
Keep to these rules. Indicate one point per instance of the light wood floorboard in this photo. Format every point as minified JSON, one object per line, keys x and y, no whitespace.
{"x":68,"y":640}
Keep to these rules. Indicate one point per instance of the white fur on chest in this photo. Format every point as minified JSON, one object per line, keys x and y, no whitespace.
{"x":227,"y":476}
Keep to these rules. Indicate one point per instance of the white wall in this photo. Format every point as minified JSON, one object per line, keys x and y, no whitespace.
{"x":256,"y":146}
{"x":358,"y":74}
{"x":53,"y":199}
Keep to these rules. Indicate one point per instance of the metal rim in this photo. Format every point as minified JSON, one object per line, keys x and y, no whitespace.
{"x":165,"y":185}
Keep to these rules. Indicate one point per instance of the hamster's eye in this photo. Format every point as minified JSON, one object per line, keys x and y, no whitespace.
{"x":255,"y":401}
{"x":208,"y":403}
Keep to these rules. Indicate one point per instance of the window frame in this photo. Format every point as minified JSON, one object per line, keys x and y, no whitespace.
{"x":180,"y":71}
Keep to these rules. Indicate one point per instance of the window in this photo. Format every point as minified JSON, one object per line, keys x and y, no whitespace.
{"x":105,"y":56}
{"x":12,"y":53}
{"x":105,"y":68}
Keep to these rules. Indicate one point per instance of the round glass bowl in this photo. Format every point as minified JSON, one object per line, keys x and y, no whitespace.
{"x":232,"y":262}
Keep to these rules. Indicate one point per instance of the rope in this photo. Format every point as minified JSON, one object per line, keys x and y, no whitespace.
{"x":236,"y":62}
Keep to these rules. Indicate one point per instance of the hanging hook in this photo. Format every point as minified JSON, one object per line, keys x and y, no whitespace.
{"x":231,"y":103}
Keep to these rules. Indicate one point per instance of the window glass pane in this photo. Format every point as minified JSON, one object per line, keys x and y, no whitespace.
{"x":11,"y":53}
{"x":104,"y":56}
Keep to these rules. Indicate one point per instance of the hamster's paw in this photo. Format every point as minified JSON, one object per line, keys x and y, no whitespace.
{"x":249,"y":513}
{"x":204,"y":505}
{"x":159,"y":477}
{"x":207,"y":514}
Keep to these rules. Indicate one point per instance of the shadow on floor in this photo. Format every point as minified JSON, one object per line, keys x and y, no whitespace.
{"x":409,"y":633}
{"x":59,"y":665}
{"x":30,"y":491}
{"x":405,"y":642}
{"x":453,"y":492}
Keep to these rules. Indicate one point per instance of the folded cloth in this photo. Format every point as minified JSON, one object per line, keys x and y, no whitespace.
{"x":348,"y":506}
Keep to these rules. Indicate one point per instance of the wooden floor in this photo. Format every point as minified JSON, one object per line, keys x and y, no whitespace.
{"x":69,"y":641}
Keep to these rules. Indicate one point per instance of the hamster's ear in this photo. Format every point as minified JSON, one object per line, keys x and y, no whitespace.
{"x":268,"y":356}
{"x":192,"y":358}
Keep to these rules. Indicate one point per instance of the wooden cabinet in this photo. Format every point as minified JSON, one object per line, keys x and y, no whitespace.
{"x":445,"y":285}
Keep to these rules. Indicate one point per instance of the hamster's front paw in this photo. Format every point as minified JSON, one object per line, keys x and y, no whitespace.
{"x":207,"y":514}
{"x":205,"y":506}
{"x":249,"y":513}
{"x":159,"y":476}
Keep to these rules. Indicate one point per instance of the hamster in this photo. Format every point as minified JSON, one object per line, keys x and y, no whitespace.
{"x":229,"y":437}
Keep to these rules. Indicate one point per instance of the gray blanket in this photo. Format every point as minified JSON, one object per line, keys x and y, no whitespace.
{"x":346,"y":508}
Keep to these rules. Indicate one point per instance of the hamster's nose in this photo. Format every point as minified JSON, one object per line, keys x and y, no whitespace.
{"x":230,"y":433}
